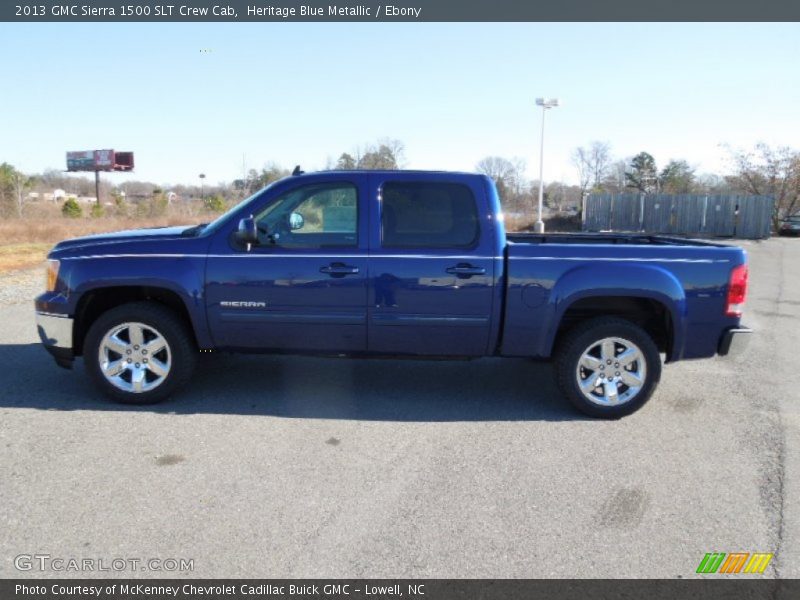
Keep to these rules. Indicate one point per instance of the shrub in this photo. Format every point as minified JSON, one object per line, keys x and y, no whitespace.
{"x":72,"y":209}
{"x":97,"y":211}
{"x":215,"y":204}
{"x":563,"y":223}
{"x":158,"y":204}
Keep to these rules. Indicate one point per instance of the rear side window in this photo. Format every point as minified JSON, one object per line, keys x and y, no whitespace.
{"x":428,"y":215}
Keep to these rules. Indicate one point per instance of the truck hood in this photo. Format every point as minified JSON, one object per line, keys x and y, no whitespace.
{"x":131,"y":235}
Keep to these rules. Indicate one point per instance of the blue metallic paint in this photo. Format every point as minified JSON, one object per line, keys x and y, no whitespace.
{"x":399,"y":302}
{"x":306,"y":309}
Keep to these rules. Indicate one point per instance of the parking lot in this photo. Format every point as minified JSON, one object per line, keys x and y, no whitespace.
{"x":304,"y":467}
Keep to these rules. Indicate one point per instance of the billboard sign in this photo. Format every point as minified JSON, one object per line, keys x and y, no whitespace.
{"x":103,"y":159}
{"x":99,"y":160}
{"x":80,"y":161}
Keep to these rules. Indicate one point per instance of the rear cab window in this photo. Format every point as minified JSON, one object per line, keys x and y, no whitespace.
{"x":428,"y":215}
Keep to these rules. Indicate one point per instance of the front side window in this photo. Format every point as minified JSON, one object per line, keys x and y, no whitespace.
{"x":320,"y":215}
{"x":428,"y":215}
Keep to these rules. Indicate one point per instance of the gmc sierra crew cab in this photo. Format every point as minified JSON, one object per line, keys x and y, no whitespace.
{"x":389,"y":263}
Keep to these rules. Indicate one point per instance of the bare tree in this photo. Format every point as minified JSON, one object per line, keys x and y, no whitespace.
{"x":397,"y":150}
{"x":580,"y":158}
{"x":345,"y":162}
{"x":615,"y":179}
{"x":385,"y":154}
{"x":498,"y":168}
{"x":593,"y":163}
{"x":22,"y":183}
{"x":712,"y":183}
{"x":509,"y":177}
{"x":771,"y":172}
{"x":14,"y":186}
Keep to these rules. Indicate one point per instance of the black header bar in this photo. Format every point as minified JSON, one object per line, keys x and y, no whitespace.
{"x":399,"y":10}
{"x":727,"y":588}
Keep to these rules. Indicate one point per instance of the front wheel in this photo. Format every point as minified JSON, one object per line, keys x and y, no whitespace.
{"x":608,"y":367}
{"x":139,"y":353}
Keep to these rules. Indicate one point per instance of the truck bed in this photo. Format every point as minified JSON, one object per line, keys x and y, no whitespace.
{"x":546,"y":274}
{"x":605,"y":238}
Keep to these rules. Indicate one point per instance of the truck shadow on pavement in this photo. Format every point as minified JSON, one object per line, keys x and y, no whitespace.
{"x":310,"y":388}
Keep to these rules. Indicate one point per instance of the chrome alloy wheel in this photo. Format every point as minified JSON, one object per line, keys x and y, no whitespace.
{"x":611,"y":371}
{"x":134,"y":357}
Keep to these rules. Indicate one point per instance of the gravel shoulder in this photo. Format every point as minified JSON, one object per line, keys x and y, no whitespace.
{"x":21,"y":286}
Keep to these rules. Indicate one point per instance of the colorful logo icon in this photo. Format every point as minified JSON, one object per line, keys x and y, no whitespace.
{"x":735,"y":562}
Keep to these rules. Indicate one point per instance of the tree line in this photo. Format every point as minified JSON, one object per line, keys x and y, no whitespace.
{"x":762,"y":170}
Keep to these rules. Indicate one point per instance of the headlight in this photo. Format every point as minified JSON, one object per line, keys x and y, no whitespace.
{"x":52,"y":274}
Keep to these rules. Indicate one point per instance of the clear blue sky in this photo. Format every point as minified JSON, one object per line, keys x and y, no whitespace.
{"x":454,"y":93}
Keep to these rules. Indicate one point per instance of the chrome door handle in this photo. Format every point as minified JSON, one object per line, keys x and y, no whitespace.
{"x":466,"y":270}
{"x":339,"y":269}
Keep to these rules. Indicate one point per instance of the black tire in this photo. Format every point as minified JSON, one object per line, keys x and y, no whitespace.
{"x":579,"y":339}
{"x":182,"y":350}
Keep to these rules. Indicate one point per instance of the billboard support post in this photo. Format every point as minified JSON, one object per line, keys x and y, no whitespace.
{"x":99,"y":160}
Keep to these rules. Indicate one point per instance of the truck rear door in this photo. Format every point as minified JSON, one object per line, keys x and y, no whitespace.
{"x":431,"y":265}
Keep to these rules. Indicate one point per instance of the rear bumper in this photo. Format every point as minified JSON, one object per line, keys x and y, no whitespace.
{"x":55,"y":331}
{"x":734,"y":341}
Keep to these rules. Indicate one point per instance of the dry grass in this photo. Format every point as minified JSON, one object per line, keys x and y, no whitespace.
{"x":53,"y":230}
{"x":22,"y":256}
{"x":519,"y":224}
{"x":25,"y":242}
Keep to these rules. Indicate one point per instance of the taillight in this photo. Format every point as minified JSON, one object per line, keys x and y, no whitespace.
{"x":737,"y":291}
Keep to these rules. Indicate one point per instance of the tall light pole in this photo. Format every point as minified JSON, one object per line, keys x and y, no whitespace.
{"x":202,"y":187}
{"x":545,"y":104}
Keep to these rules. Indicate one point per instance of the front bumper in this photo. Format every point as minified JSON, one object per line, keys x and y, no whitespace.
{"x":55,"y":331}
{"x":734,"y":341}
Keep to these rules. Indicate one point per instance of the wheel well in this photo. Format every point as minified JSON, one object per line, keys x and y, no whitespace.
{"x":649,"y":314}
{"x":96,"y":302}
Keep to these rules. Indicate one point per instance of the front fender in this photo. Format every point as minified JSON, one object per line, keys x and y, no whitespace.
{"x":652,"y":282}
{"x":182,"y":276}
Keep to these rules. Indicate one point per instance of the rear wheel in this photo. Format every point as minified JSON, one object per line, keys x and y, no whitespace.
{"x":608,"y":367}
{"x":139,"y":353}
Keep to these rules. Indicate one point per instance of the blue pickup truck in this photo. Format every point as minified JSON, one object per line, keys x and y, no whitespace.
{"x":389,"y":263}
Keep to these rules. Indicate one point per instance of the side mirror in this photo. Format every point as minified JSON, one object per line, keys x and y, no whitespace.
{"x":247,"y":232}
{"x":296,"y":221}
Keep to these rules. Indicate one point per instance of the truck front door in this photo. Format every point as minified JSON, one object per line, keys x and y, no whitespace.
{"x":303,"y":286}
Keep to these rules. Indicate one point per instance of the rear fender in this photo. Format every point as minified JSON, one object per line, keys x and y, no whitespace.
{"x":652,"y":282}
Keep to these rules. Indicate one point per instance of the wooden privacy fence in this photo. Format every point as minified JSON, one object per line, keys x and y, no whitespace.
{"x":729,"y":216}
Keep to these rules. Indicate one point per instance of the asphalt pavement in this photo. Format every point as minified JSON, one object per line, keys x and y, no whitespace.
{"x":308,"y":467}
